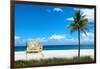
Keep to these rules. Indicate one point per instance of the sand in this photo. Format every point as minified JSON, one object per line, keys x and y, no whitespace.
{"x":21,"y":55}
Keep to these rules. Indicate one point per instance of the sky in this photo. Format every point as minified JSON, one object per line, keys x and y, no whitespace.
{"x":48,"y":24}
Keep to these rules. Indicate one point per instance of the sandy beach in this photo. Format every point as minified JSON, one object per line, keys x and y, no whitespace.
{"x":21,"y":55}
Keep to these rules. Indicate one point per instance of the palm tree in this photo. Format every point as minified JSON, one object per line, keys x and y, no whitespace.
{"x":79,"y":24}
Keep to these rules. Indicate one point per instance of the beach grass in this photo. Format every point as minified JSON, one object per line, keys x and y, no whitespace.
{"x":85,"y":59}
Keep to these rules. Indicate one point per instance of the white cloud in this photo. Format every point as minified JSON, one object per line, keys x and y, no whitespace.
{"x":89,"y":37}
{"x":43,"y":39}
{"x":56,"y":37}
{"x":88,"y":12}
{"x":19,"y":41}
{"x":75,"y":9}
{"x":17,"y":37}
{"x":70,"y":19}
{"x":58,"y":9}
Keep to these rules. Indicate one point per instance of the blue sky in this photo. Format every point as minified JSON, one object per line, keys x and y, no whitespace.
{"x":48,"y":24}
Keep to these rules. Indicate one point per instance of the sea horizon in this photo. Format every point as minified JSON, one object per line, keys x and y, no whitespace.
{"x":57,"y":47}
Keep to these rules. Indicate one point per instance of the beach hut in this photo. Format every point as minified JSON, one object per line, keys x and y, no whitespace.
{"x":34,"y":46}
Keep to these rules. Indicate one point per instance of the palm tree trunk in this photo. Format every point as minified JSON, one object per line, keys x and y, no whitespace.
{"x":79,"y":42}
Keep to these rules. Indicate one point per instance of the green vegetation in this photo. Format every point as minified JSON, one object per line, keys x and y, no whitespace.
{"x":84,"y":59}
{"x":80,"y":24}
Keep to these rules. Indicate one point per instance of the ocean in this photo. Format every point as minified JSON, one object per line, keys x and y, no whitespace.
{"x":57,"y":47}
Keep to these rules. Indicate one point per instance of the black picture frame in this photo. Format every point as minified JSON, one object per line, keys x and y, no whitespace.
{"x":52,"y":4}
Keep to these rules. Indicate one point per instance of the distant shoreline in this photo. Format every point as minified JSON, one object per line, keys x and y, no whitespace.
{"x":60,"y":45}
{"x":56,"y":50}
{"x":57,"y":47}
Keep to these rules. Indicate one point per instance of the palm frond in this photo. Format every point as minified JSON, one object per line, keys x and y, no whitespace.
{"x":84,"y":30}
{"x":70,"y":25}
{"x":75,"y":20}
{"x":80,"y":21}
{"x":83,"y":16}
{"x":72,"y":30}
{"x":78,"y":15}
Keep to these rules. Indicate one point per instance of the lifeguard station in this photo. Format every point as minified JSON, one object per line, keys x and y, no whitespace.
{"x":34,"y":46}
